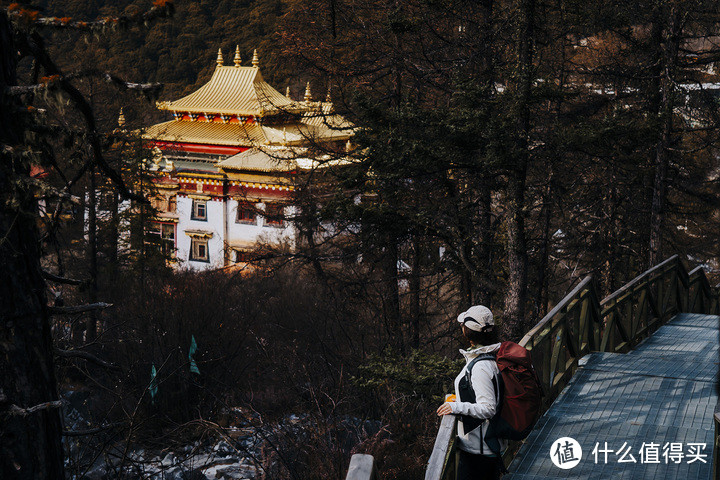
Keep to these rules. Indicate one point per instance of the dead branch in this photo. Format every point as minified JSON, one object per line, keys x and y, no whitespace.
{"x":55,"y":80}
{"x":79,"y":308}
{"x":24,"y":412}
{"x":58,"y":279}
{"x":90,"y":431}
{"x":86,"y":356}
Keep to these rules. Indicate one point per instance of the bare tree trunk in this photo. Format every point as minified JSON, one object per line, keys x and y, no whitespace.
{"x":485,"y":249}
{"x":92,"y":257}
{"x":390,"y":294}
{"x":514,"y":321}
{"x":30,"y":446}
{"x":669,"y":46}
{"x":541,"y":299}
{"x":414,"y":284}
{"x":610,"y":238}
{"x":114,"y":228}
{"x":482,"y":294}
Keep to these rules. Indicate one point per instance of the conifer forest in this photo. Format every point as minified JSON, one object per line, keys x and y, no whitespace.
{"x":462,"y":152}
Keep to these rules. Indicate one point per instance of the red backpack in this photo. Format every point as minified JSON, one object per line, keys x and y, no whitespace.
{"x":519,"y":391}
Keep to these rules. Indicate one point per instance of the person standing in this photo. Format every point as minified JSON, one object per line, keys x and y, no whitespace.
{"x":477,"y":397}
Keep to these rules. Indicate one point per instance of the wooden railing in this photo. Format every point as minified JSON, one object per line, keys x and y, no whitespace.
{"x":581,"y":324}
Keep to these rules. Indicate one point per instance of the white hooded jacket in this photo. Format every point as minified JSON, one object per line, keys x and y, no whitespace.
{"x":485,"y":401}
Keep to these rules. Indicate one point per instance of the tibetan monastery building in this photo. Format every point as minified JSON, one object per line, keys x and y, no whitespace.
{"x":225,"y":165}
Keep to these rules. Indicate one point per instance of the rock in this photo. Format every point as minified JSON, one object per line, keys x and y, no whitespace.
{"x":168,"y":461}
{"x":138,"y":455}
{"x":236,"y":472}
{"x":206,"y":460}
{"x":97,"y":472}
{"x":174,"y":473}
{"x":223,"y":448}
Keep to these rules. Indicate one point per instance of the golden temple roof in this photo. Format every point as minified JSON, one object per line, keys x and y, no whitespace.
{"x":237,"y":108}
{"x":278,"y":160}
{"x":261,"y":161}
{"x":234,"y":90}
{"x":308,"y":130}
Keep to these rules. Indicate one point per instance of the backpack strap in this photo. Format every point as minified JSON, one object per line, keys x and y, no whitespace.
{"x":471,"y":422}
{"x":468,"y":372}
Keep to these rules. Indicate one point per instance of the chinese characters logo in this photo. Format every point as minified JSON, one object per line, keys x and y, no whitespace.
{"x":565,"y":453}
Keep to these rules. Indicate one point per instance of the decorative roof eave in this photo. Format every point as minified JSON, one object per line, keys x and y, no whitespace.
{"x":296,"y":108}
{"x":199,"y":233}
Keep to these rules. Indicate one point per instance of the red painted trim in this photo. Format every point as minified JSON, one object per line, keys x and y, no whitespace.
{"x":198,"y":147}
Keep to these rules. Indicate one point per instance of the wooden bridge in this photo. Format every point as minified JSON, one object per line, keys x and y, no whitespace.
{"x":631,"y":377}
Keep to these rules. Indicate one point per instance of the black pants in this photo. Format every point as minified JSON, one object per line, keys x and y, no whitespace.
{"x":477,"y":467}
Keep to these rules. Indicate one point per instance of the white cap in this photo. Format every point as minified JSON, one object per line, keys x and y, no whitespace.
{"x":477,"y":318}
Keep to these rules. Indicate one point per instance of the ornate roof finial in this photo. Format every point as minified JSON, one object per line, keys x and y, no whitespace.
{"x":237,"y":56}
{"x":287,"y":91}
{"x":121,"y":119}
{"x":220,"y":60}
{"x":255,"y":59}
{"x":328,"y":97}
{"x":308,"y":93}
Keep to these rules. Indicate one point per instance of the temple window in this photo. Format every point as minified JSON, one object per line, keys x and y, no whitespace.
{"x":274,"y":213}
{"x":246,"y":213}
{"x":162,"y":235}
{"x":199,"y":250}
{"x":168,"y":239}
{"x":199,"y":210}
{"x":172,"y":204}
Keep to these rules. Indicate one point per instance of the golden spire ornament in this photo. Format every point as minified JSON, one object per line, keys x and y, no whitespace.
{"x":308,"y":93}
{"x":255,"y":59}
{"x":220,"y":60}
{"x":237,"y":56}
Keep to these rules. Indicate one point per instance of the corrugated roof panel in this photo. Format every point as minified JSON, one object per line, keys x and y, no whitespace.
{"x":233,"y":91}
{"x":261,"y":161}
{"x":207,"y":132}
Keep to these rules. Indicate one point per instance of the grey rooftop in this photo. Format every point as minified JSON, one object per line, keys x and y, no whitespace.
{"x":662,"y":392}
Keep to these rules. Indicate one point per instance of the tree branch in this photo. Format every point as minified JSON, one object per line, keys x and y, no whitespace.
{"x":86,"y":356}
{"x":24,"y":412}
{"x":91,"y":431}
{"x":55,"y":80}
{"x":58,"y":279}
{"x":79,"y":308}
{"x":36,"y":45}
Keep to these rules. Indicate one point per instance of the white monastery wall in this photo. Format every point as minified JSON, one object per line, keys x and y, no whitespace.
{"x":213,"y":224}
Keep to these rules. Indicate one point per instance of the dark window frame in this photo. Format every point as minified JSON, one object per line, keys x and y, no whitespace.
{"x":199,"y":242}
{"x":244,"y":207}
{"x":271,"y":217}
{"x":194,"y":215}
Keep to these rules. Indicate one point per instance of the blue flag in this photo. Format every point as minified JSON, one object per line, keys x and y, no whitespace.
{"x":193,"y":348}
{"x":153,"y":383}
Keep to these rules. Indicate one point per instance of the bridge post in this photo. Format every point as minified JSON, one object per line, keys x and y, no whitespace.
{"x":362,"y":467}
